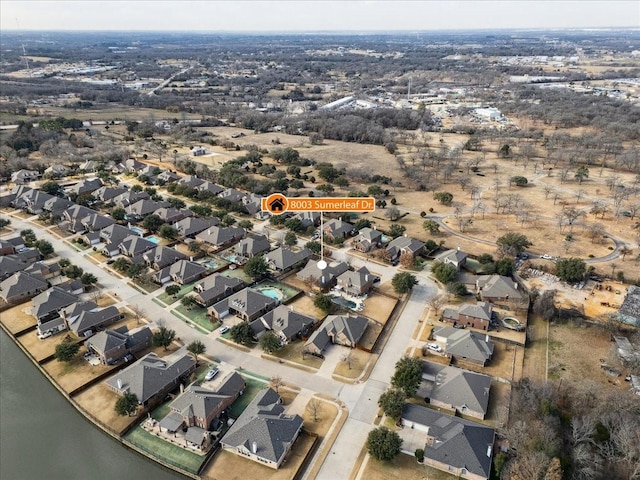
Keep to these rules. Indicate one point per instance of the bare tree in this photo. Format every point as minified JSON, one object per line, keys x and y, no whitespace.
{"x":436,"y":304}
{"x":314,"y":407}
{"x":276,"y":382}
{"x":137,"y":312}
{"x":348,"y":359}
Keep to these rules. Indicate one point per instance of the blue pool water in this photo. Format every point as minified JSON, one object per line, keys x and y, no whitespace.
{"x":210,"y":264}
{"x":139,"y":231}
{"x":153,"y":239}
{"x":344,"y":302}
{"x":271,"y":293}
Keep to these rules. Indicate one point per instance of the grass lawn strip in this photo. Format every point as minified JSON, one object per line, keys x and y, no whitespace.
{"x":197,"y":315}
{"x":169,"y":299}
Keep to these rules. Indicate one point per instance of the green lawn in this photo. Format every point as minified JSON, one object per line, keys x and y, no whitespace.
{"x":162,"y":411}
{"x":164,"y":450}
{"x":238,"y":273}
{"x":146,"y":287}
{"x":253,"y":387}
{"x":168,"y":299}
{"x":197,"y":315}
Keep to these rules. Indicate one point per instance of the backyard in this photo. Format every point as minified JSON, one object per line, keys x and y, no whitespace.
{"x":17,"y":318}
{"x":99,"y":401}
{"x":280,"y":291}
{"x":74,"y":374}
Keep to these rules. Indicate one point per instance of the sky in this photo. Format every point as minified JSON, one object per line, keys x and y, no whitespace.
{"x":314,"y":15}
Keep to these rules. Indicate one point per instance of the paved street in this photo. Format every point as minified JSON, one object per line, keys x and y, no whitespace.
{"x":360,"y":399}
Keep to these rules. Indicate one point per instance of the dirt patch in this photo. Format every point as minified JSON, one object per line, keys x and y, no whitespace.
{"x":99,"y":402}
{"x":18,"y":318}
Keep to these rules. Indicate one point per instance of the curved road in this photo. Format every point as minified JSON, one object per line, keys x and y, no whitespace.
{"x":360,"y":399}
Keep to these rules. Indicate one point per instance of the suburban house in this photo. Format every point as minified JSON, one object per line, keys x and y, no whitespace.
{"x":232,"y":195}
{"x":455,"y":389}
{"x":464,"y":344}
{"x":198,"y":150}
{"x":216,"y":287}
{"x":454,"y":256}
{"x":334,"y":229}
{"x":112,"y":236}
{"x":152,"y":377}
{"x":90,"y":320}
{"x":474,"y":316}
{"x":56,"y":171}
{"x":309,"y":219}
{"x":284,"y":259}
{"x":172,"y":215}
{"x":133,"y":245}
{"x":199,"y":407}
{"x":404,"y":245}
{"x":73,"y":216}
{"x":84,"y":187}
{"x":284,"y":322}
{"x":57,"y":206}
{"x":322,"y":279}
{"x":212,"y":188}
{"x":167,"y":176}
{"x":107,"y":194}
{"x":453,"y":445}
{"x":41,"y":270}
{"x":498,"y":288}
{"x":189,"y":227}
{"x":27,"y":255}
{"x":34,"y":201}
{"x":142,"y":208}
{"x":368,"y":239}
{"x":629,"y":311}
{"x":343,"y":330}
{"x":220,"y":237}
{"x":46,"y":308}
{"x":129,"y":166}
{"x":247,"y":304}
{"x":161,"y":257}
{"x":9,"y":266}
{"x":263,"y":433}
{"x":95,"y":222}
{"x":129,"y":198}
{"x":190,"y":181}
{"x":6,"y":248}
{"x":111,"y":346}
{"x":252,"y":245}
{"x":20,"y":286}
{"x":356,"y":283}
{"x":24,"y":176}
{"x":181,"y":272}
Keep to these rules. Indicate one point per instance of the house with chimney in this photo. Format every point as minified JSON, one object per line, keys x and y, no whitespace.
{"x":404,"y":246}
{"x":337,"y":229}
{"x":322,"y":279}
{"x":189,"y":227}
{"x":161,"y":257}
{"x":473,"y":316}
{"x":215,"y":288}
{"x":368,"y":239}
{"x":346,"y":330}
{"x":20,"y":286}
{"x":220,"y":237}
{"x":252,"y":245}
{"x":357,"y":282}
{"x":454,"y":256}
{"x":498,"y":289}
{"x":465,"y":345}
{"x":111,"y":346}
{"x":181,"y":272}
{"x":284,"y":259}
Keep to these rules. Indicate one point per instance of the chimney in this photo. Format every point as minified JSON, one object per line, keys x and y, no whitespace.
{"x":515,"y":285}
{"x":209,"y":232}
{"x":119,"y":382}
{"x":489,"y":448}
{"x":182,"y":388}
{"x":254,"y":447}
{"x":458,"y":248}
{"x":486,"y":338}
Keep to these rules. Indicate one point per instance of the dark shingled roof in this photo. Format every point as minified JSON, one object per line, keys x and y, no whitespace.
{"x":629,"y":311}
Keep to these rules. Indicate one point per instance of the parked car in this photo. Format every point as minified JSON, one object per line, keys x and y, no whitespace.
{"x":434,"y":347}
{"x":44,"y":335}
{"x":223,"y":329}
{"x":546,"y":256}
{"x":109,"y":262}
{"x":211,"y":373}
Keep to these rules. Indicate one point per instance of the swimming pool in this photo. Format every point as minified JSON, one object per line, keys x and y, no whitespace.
{"x":210,"y":264}
{"x":139,"y":231}
{"x":154,"y":239}
{"x":271,"y":293}
{"x":344,"y":302}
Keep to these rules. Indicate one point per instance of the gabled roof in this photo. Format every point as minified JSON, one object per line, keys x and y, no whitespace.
{"x":221,"y":235}
{"x":338,"y":227}
{"x":95,"y":221}
{"x":263,"y":426}
{"x":134,"y":245}
{"x":90,"y":319}
{"x":129,"y":198}
{"x":163,"y":256}
{"x":498,"y":286}
{"x":455,"y":386}
{"x":150,"y":375}
{"x":454,"y":256}
{"x":86,"y":186}
{"x":370,"y":234}
{"x":194,"y":225}
{"x":356,"y":279}
{"x":74,"y":310}
{"x":51,"y":300}
{"x":115,"y":233}
{"x":283,"y":258}
{"x":457,"y":442}
{"x":56,"y":204}
{"x":324,"y":277}
{"x":215,"y":285}
{"x":186,"y":269}
{"x":201,"y":402}
{"x":253,"y":245}
{"x":404,"y":243}
{"x":352,"y":327}
{"x":78,"y":212}
{"x":105,"y":193}
{"x":481,"y":310}
{"x":248,"y":300}
{"x":232,"y":195}
{"x":211,"y":188}
{"x":169,"y":213}
{"x":145,"y":207}
{"x":465,"y":343}
{"x":191,"y":181}
{"x":108,"y":340}
{"x":19,"y":284}
{"x":9,"y":266}
{"x":281,"y":319}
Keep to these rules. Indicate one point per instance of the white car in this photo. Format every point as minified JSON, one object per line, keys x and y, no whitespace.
{"x":546,"y":256}
{"x":434,"y":347}
{"x":223,"y":329}
{"x":44,"y":335}
{"x":211,"y":373}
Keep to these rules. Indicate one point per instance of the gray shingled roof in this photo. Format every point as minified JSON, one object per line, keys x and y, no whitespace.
{"x":216,"y":285}
{"x":465,"y":343}
{"x":480,"y":310}
{"x":283,"y":258}
{"x":281,"y":319}
{"x":264,"y":423}
{"x":453,"y":255}
{"x":107,"y":340}
{"x":51,"y":300}
{"x":323,"y":278}
{"x":337,"y":228}
{"x":412,"y":245}
{"x":149,"y":375}
{"x":9,"y":266}
{"x":90,"y":319}
{"x":356,"y":279}
{"x":458,"y":442}
{"x":18,"y":284}
{"x":194,"y":225}
{"x":220,"y":235}
{"x":498,"y":286}
{"x":248,"y":300}
{"x":352,"y":327}
{"x":161,"y":256}
{"x":135,"y":245}
{"x":252,"y":245}
{"x":455,"y":386}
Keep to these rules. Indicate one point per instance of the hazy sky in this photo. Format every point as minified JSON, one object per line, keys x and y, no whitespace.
{"x":312,"y":15}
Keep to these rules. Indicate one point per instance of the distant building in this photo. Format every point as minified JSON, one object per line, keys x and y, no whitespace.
{"x":629,"y":311}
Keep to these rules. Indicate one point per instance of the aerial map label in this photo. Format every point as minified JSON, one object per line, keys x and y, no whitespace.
{"x":277,"y":204}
